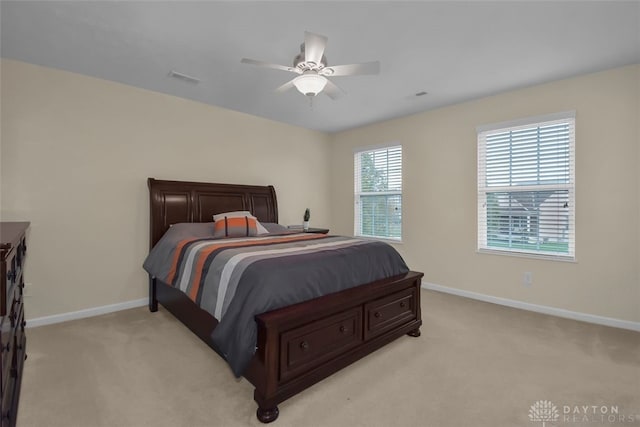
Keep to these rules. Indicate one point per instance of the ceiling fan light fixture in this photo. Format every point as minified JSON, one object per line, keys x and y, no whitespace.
{"x":310,"y":83}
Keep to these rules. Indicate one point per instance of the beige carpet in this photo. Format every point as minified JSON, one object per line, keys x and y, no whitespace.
{"x":476,"y":364}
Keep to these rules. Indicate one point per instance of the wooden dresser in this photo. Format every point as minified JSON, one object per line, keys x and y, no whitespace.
{"x":13,"y":249}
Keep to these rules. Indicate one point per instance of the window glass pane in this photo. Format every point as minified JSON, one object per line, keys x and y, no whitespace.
{"x":381,"y":170}
{"x":532,"y":156}
{"x":381,"y":216}
{"x":535,"y":220}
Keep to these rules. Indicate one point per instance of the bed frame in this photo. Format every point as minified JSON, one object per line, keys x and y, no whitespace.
{"x":298,"y":345}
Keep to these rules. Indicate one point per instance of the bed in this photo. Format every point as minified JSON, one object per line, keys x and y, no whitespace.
{"x":297,"y":345}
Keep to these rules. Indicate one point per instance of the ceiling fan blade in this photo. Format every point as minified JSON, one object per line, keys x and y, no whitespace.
{"x":314,"y":45}
{"x":352,"y":69}
{"x":285,"y":87}
{"x":270,"y":65}
{"x":332,"y":91}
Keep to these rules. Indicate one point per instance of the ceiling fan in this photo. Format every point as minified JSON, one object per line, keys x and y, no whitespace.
{"x":313,"y":69}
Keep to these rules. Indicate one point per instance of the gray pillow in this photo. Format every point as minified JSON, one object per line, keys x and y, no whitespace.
{"x":273,"y":227}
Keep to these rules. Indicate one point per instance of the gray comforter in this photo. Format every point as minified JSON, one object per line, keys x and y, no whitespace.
{"x":236,"y":279}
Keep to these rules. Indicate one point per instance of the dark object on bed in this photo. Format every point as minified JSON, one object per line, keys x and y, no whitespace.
{"x":298,"y":345}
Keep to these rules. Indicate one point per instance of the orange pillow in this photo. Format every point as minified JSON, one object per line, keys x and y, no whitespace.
{"x":239,"y":226}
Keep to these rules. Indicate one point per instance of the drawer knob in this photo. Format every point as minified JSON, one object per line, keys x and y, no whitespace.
{"x":304,"y":346}
{"x":377,"y":315}
{"x":6,"y":347}
{"x":11,"y":275}
{"x":344,"y":329}
{"x":403,"y":304}
{"x":23,"y":324}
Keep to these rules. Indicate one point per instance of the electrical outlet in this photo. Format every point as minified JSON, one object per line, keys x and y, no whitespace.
{"x":527,"y":279}
{"x":27,"y":290}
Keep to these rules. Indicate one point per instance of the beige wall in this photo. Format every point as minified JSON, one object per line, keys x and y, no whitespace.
{"x":440,"y":187}
{"x":76,"y":153}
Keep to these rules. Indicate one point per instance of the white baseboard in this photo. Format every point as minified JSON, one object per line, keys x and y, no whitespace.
{"x":89,"y":312}
{"x":590,"y":318}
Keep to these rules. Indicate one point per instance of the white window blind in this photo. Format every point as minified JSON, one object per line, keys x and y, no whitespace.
{"x":526,"y":188}
{"x":378,"y":193}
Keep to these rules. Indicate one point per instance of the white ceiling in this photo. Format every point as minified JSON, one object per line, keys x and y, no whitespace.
{"x":455,"y":51}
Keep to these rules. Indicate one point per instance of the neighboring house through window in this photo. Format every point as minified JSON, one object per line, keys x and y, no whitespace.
{"x":526,"y":186}
{"x":378,"y":192}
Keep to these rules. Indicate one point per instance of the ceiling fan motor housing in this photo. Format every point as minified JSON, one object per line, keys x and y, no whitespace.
{"x":299,"y":62}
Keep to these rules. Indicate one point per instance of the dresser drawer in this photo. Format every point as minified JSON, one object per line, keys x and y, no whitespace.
{"x":16,"y":308}
{"x":309,"y":346}
{"x":386,"y":313}
{"x":6,"y":353}
{"x":11,"y":274}
{"x":20,"y":352}
{"x":8,"y":415}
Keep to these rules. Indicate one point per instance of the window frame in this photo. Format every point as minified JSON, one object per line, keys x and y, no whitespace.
{"x":358,"y":193}
{"x":569,"y":187}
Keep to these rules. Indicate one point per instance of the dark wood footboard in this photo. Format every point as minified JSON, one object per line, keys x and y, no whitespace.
{"x":302,"y":344}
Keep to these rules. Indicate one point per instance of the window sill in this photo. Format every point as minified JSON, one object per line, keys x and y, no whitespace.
{"x":527,"y":255}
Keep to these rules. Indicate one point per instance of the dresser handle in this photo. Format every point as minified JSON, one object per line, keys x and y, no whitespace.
{"x":377,"y":315}
{"x":6,"y":347}
{"x":11,"y":276}
{"x":23,"y":324}
{"x":403,"y":304}
{"x":304,"y":346}
{"x":343,"y":329}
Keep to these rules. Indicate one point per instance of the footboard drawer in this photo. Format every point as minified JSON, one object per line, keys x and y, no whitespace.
{"x":388,"y":312}
{"x":308,"y":346}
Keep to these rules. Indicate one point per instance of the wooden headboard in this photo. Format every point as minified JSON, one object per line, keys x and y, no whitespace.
{"x":172,"y":202}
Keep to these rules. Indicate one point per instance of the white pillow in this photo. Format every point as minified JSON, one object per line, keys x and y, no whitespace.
{"x":261,"y":229}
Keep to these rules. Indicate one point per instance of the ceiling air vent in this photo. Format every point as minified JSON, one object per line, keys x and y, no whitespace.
{"x":184,"y":77}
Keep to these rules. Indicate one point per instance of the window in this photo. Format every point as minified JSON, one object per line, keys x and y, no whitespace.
{"x":526,"y":197}
{"x":378,"y":193}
